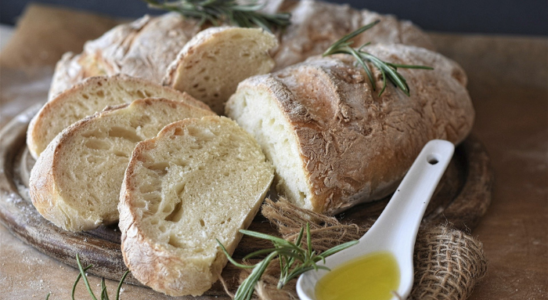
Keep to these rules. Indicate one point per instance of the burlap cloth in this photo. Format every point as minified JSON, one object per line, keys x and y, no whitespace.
{"x":447,"y":262}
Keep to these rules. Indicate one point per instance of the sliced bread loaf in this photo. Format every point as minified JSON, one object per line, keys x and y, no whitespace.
{"x":89,"y":97}
{"x":76,"y":181}
{"x":143,"y":48}
{"x":333,"y":140}
{"x":212,"y":63}
{"x":197,"y":181}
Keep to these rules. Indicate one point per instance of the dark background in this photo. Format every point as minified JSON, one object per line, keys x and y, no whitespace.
{"x":523,"y":17}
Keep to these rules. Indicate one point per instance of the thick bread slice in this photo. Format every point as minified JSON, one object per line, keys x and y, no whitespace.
{"x":211,"y":65}
{"x":89,"y":97}
{"x":197,"y":181}
{"x":333,"y":140}
{"x":76,"y":181}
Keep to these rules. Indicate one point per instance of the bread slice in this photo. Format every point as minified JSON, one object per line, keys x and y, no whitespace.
{"x":212,"y":63}
{"x":89,"y":97}
{"x":197,"y":181}
{"x":334,"y":142}
{"x":76,"y":181}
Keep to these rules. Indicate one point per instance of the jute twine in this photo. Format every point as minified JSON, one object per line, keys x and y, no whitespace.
{"x":448,"y":262}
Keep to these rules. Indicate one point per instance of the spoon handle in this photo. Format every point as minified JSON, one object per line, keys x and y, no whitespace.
{"x":401,"y":218}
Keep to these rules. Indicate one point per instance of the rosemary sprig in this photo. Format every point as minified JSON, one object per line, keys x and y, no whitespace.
{"x":294,"y":260}
{"x":215,"y":11}
{"x":82,"y":274}
{"x":388,"y":70}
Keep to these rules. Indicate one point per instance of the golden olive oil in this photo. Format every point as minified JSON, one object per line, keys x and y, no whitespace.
{"x":372,"y":276}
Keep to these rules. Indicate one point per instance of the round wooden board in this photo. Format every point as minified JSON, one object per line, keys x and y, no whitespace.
{"x":461,"y":198}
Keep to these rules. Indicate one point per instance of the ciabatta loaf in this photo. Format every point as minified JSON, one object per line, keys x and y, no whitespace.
{"x":145,"y":48}
{"x":89,"y":97}
{"x":333,"y":140}
{"x":211,"y":65}
{"x":76,"y":181}
{"x":197,"y":181}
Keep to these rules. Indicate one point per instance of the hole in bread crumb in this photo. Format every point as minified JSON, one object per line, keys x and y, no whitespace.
{"x":180,"y":189}
{"x":176,"y":214}
{"x":85,"y":96}
{"x":302,"y":196}
{"x":124,"y":133}
{"x":121,"y":154}
{"x":100,"y":94}
{"x":178,"y":131}
{"x":159,"y":167}
{"x":141,"y":94}
{"x":93,"y":133}
{"x":97,"y":144}
{"x":174,"y":241}
{"x":202,"y":223}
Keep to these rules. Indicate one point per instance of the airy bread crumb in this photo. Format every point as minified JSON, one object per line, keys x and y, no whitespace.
{"x":76,"y":181}
{"x":90,"y":97}
{"x":212,"y":63}
{"x":199,"y":180}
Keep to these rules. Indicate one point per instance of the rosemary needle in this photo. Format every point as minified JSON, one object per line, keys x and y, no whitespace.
{"x":293,"y":259}
{"x":218,"y":11}
{"x":388,"y":70}
{"x":82,"y":274}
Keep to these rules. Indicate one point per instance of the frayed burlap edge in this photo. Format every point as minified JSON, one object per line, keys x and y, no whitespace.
{"x":448,"y":262}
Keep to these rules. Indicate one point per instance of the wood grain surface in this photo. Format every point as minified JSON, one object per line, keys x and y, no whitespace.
{"x":508,"y":83}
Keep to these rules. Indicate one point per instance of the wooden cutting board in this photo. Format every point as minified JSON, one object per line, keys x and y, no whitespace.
{"x":461,"y":198}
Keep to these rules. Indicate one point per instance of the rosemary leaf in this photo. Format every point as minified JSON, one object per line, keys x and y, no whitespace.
{"x":388,"y":70}
{"x":219,"y":11}
{"x":78,"y":279}
{"x":294,"y":260}
{"x":120,"y":285}
{"x":83,"y":274}
{"x":104,"y":293}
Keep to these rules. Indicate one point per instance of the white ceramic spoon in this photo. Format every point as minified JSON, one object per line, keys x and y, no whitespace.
{"x":396,"y":228}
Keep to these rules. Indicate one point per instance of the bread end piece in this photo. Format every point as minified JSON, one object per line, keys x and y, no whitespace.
{"x":208,"y":178}
{"x":211,"y":65}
